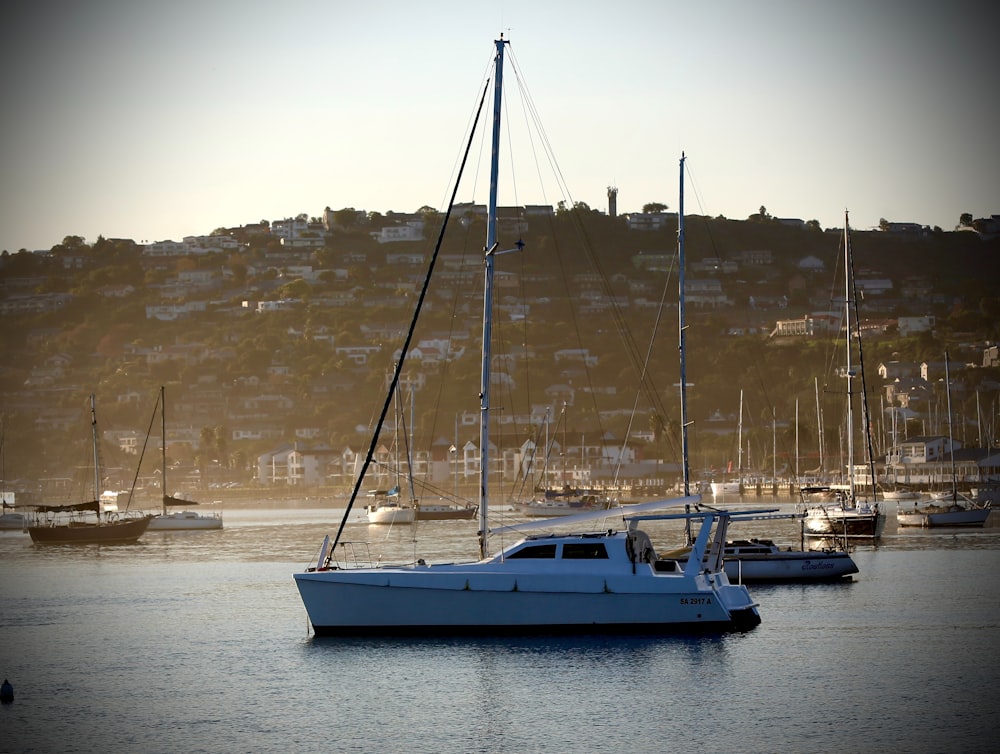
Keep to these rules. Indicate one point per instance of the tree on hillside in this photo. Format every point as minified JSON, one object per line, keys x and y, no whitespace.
{"x":654,"y":208}
{"x":965,"y":220}
{"x":345,"y":218}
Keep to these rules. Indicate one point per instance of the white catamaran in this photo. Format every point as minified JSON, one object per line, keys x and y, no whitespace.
{"x":606,"y":581}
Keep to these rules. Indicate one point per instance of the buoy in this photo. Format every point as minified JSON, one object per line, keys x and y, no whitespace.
{"x":6,"y":692}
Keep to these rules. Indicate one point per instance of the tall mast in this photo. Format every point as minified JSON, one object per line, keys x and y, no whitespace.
{"x":848,"y":371}
{"x":951,"y":439}
{"x":739,"y":445}
{"x":681,"y":331}
{"x":163,"y":445}
{"x":491,"y":245}
{"x":97,"y":459}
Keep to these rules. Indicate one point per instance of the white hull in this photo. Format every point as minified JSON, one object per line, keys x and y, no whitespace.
{"x":761,"y":561}
{"x":511,"y":594}
{"x":725,"y":488}
{"x":184,"y":521}
{"x":837,"y":521}
{"x":900,"y":495}
{"x":390,"y":515}
{"x":797,"y":566}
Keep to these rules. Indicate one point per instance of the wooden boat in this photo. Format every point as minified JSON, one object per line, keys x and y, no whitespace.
{"x":66,"y":524}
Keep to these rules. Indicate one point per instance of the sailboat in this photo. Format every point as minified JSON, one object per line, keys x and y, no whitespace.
{"x":385,"y":506}
{"x":564,"y":500}
{"x":846,"y":515}
{"x":733,"y":486}
{"x":177,"y":520}
{"x":52,"y":526}
{"x":595,"y":582}
{"x":954,"y":509}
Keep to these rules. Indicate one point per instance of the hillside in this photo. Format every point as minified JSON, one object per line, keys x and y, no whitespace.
{"x":110,"y":318}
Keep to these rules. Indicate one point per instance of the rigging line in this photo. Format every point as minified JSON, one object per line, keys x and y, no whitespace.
{"x":617,"y":314}
{"x":644,"y":371}
{"x":409,"y":337}
{"x":535,"y":120}
{"x":706,"y":225}
{"x":659,"y":407}
{"x":470,"y":128}
{"x":138,"y":465}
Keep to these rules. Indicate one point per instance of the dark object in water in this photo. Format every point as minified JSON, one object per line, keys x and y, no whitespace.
{"x":6,"y":692}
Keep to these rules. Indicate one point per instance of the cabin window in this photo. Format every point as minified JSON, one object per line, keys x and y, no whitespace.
{"x":535,"y":551}
{"x":586,"y":551}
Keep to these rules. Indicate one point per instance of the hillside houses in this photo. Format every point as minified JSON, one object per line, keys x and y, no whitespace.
{"x":274,"y":332}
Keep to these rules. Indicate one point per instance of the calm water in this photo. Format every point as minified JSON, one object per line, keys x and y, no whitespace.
{"x":198,"y":642}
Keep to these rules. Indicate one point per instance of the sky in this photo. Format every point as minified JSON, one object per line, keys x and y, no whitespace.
{"x":155,"y":120}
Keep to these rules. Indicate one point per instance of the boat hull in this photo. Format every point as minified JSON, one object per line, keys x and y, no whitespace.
{"x":725,"y":488}
{"x":184,"y":521}
{"x":391,"y":515}
{"x":455,"y":600}
{"x":927,"y":518}
{"x":838,"y":522}
{"x":454,"y":514}
{"x":787,"y":567}
{"x":12,"y":522}
{"x":125,"y":531}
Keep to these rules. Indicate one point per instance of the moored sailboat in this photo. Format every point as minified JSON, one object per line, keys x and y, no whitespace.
{"x":952,"y":508}
{"x":68,"y":524}
{"x":186,"y":520}
{"x":610,"y":581}
{"x":846,"y":514}
{"x":733,"y":486}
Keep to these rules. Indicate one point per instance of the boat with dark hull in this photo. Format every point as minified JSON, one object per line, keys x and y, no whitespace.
{"x":105,"y":531}
{"x":843,"y":512}
{"x":71,"y":524}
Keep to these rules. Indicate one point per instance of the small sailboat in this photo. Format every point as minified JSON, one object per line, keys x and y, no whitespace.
{"x":186,"y":520}
{"x":68,"y":524}
{"x":733,"y":486}
{"x":843,"y":513}
{"x":953,"y":508}
{"x":606,"y":581}
{"x":385,"y":506}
